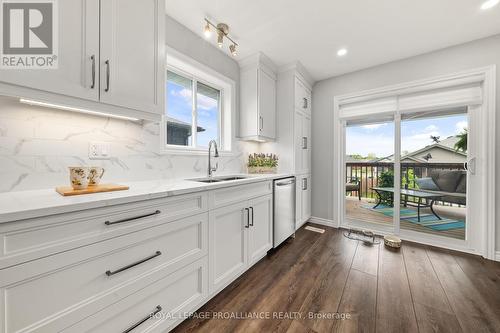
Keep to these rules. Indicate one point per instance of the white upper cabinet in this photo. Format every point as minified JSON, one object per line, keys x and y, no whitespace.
{"x":302,"y":145}
{"x":257,"y":99}
{"x":111,"y":58}
{"x":293,"y":144}
{"x":302,"y":97}
{"x":78,"y":55}
{"x":132,"y":70}
{"x":267,"y":104}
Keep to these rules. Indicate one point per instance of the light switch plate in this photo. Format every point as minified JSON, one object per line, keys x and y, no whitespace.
{"x":99,"y":151}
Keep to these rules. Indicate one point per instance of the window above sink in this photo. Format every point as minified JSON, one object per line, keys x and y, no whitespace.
{"x":200,"y":104}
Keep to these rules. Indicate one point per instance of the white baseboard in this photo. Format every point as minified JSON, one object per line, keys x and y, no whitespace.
{"x":322,"y":221}
{"x":497,"y":256}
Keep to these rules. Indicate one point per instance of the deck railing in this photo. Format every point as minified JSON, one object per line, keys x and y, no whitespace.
{"x":368,"y":173}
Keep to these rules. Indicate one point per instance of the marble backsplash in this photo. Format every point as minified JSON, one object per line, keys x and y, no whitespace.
{"x":38,"y":144}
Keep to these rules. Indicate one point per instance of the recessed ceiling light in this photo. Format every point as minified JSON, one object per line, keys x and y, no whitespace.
{"x":489,"y":4}
{"x":342,"y":52}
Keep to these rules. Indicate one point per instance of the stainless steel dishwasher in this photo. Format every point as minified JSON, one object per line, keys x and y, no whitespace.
{"x":284,"y":209}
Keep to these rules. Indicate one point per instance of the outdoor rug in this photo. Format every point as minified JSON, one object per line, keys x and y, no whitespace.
{"x":427,"y":220}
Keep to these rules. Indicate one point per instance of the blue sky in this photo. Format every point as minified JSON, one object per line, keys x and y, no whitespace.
{"x":180,"y":107}
{"x":378,"y":138}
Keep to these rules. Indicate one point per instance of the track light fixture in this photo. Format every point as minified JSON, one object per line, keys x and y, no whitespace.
{"x":222,"y":31}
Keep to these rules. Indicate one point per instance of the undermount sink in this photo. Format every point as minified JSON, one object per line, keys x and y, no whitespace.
{"x":230,"y":178}
{"x":206,"y":180}
{"x":217,"y":179}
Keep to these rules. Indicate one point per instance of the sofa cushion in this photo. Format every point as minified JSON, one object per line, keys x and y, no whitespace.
{"x":427,"y":183}
{"x":462,"y":184}
{"x":446,"y":180}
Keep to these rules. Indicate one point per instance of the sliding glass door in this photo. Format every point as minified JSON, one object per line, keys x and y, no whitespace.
{"x":433,"y":176}
{"x":421,"y":189}
{"x":369,"y":172}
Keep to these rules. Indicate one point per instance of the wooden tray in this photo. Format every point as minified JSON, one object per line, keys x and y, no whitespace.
{"x":68,"y":190}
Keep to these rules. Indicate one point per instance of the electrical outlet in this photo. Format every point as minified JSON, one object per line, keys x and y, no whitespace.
{"x":99,"y":151}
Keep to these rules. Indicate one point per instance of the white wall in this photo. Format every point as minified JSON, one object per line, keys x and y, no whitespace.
{"x":462,"y":57}
{"x":38,"y":144}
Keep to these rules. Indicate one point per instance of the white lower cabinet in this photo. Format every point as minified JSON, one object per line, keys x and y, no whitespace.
{"x":49,"y":294}
{"x":166,"y":255}
{"x":239,"y":236}
{"x":306,"y":198}
{"x":228,"y":244}
{"x":302,"y":200}
{"x":168,"y":298}
{"x":260,"y":232}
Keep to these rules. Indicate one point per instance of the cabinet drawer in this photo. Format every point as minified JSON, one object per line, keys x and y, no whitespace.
{"x":230,"y":195}
{"x":84,"y":280}
{"x":178,"y":293}
{"x":26,"y":240}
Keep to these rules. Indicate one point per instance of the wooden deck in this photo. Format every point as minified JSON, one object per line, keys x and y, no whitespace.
{"x":357,"y":210}
{"x":305,"y":282}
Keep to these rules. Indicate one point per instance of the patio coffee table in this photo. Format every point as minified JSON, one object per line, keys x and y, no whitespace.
{"x":425,"y":199}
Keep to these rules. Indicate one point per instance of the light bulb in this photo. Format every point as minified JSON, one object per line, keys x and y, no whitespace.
{"x":207,"y":31}
{"x":220,"y":39}
{"x":232,"y":49}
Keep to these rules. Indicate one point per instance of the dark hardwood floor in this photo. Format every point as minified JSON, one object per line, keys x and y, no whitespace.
{"x":306,"y":284}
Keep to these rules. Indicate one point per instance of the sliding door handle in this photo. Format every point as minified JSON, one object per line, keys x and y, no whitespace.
{"x":304,"y":142}
{"x":470,"y":166}
{"x":107,"y":75}
{"x":261,"y":123}
{"x":305,"y":104}
{"x":92,"y":58}
{"x":304,"y":184}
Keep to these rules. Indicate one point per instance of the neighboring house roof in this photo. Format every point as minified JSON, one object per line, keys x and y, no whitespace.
{"x":447,"y":144}
{"x":183,"y":124}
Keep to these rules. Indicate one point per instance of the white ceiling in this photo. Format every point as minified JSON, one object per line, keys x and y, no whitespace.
{"x":374,"y":32}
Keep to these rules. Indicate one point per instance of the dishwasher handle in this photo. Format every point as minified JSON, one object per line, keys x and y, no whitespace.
{"x":290,"y":182}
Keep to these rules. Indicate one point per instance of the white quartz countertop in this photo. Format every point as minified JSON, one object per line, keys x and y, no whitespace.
{"x":36,"y":203}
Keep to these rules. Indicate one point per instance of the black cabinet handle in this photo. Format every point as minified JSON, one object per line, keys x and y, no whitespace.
{"x":251,"y":208}
{"x":248,"y":218}
{"x":132,"y":218}
{"x":109,"y":273}
{"x":107,"y":75}
{"x":92,"y":58}
{"x":140,"y":322}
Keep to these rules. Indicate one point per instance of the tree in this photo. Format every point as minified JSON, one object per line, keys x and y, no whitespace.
{"x":461,"y":144}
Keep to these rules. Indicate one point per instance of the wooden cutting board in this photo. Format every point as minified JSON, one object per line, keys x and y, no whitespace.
{"x":68,"y":190}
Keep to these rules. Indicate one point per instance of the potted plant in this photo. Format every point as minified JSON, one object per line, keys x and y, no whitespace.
{"x":262,"y":163}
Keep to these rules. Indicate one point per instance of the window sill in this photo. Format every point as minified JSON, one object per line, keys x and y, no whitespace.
{"x":193,"y":152}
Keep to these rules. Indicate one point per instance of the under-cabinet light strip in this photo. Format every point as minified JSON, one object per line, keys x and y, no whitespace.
{"x":70,"y":108}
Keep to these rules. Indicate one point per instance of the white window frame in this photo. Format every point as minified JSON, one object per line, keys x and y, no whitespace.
{"x":190,"y":68}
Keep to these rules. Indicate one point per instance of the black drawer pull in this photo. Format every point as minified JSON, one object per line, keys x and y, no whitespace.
{"x":109,"y":273}
{"x":140,"y":322}
{"x":132,"y":218}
